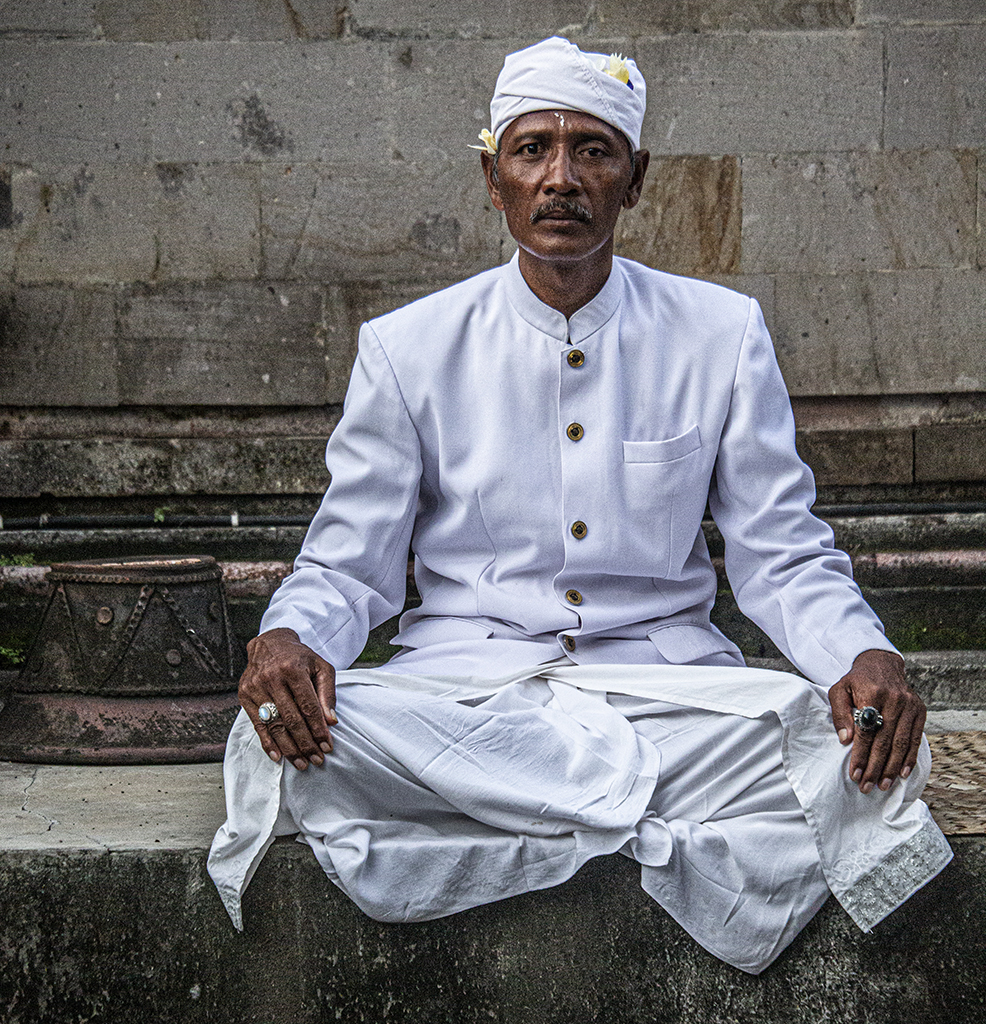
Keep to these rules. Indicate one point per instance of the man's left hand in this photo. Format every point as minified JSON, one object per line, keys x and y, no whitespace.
{"x":877,"y":680}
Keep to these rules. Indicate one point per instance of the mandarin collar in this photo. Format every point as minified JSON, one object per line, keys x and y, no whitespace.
{"x":584,"y":322}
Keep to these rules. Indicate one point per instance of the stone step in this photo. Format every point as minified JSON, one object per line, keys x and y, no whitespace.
{"x":910,"y":530}
{"x":109,"y":916}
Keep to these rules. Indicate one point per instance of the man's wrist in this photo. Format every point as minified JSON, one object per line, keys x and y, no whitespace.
{"x":278,"y":634}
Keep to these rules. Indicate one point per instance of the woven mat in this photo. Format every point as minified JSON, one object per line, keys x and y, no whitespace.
{"x":956,"y":791}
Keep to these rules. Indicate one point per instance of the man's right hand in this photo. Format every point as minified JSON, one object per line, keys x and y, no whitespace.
{"x":282,"y":670}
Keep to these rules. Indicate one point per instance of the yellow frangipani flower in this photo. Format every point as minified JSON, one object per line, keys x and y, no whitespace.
{"x":616,"y":66}
{"x":488,"y":141}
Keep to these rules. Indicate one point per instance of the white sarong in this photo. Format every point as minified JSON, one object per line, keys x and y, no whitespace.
{"x":728,"y":785}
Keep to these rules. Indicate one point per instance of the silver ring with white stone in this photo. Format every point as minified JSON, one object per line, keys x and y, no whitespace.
{"x":267,"y":712}
{"x":867,"y":719}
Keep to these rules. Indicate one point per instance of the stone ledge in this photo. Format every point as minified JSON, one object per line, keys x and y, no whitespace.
{"x":118,"y":936}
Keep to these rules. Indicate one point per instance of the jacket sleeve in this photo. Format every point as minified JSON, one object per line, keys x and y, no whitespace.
{"x":351,"y":572}
{"x":786,"y":574}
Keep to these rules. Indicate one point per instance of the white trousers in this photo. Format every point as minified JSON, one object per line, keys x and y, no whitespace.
{"x":432,"y":803}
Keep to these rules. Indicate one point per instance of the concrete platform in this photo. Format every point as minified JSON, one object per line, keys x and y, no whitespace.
{"x":110,"y":916}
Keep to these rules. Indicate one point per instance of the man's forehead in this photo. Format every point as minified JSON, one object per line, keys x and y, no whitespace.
{"x":551,"y":120}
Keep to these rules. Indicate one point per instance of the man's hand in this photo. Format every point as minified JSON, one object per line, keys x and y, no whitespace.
{"x":281,"y":669}
{"x":876,"y":679}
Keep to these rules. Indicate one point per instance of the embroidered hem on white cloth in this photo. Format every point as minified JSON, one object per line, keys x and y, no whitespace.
{"x":874,"y":850}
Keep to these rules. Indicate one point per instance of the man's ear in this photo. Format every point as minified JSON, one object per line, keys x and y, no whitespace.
{"x":491,"y":185}
{"x":632,"y":196}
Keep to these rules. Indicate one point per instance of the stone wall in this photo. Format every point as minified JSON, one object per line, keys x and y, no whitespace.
{"x":201,"y":199}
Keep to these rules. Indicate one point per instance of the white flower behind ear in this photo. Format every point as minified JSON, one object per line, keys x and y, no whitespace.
{"x":488,"y":141}
{"x":616,"y":66}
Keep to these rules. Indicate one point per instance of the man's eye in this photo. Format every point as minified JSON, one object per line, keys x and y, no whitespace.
{"x":530,"y":149}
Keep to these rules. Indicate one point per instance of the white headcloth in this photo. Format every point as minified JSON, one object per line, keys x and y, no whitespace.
{"x":556,"y":75}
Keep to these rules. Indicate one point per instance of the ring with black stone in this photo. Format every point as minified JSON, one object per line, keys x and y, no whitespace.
{"x":867,"y":719}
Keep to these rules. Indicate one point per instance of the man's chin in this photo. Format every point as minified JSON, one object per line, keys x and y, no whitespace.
{"x":563,"y":248}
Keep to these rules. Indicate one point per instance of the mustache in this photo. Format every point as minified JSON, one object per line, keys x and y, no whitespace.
{"x":566,"y":206}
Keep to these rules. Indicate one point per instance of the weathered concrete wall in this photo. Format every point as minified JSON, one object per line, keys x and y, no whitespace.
{"x":140,"y":934}
{"x":200,"y":201}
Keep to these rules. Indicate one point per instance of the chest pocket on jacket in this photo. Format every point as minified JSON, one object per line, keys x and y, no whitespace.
{"x":663,"y":486}
{"x":663,"y":451}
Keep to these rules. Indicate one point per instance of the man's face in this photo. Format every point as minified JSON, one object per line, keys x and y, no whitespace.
{"x":562,"y":179}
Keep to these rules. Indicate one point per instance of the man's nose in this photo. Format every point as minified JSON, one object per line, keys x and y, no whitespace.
{"x":561,"y":176}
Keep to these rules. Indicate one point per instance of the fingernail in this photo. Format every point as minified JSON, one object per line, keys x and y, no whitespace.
{"x":326,"y":747}
{"x":331,"y":717}
{"x":905,"y":771}
{"x":317,"y":759}
{"x":301,"y":764}
{"x":857,"y":775}
{"x":885,"y":784}
{"x":843,"y":735}
{"x":867,"y":788}
{"x":274,"y":755}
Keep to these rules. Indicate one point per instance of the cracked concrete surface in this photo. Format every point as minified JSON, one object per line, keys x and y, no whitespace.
{"x":174,"y":807}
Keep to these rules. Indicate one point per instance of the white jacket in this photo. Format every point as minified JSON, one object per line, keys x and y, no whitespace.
{"x":458,"y":439}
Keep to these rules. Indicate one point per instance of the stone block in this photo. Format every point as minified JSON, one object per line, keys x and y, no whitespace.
{"x":60,"y":18}
{"x":954,"y":451}
{"x":204,"y":219}
{"x":943,"y":618}
{"x":770,"y":93}
{"x":834,"y":212}
{"x":8,"y":238}
{"x":647,"y":17}
{"x":919,"y":12}
{"x":369,"y":299}
{"x":166,"y":20}
{"x":104,"y":935}
{"x":688,"y":219}
{"x":513,"y":19}
{"x":438,"y":95}
{"x":6,"y":199}
{"x":73,"y":102}
{"x":467,"y":19}
{"x":402,"y":219}
{"x":160,"y":466}
{"x":81,"y":224}
{"x":57,"y":348}
{"x":981,"y":218}
{"x":914,"y":332}
{"x":235,"y":344}
{"x":107,"y":223}
{"x":936,"y":89}
{"x":151,"y":421}
{"x":191,"y":102}
{"x":853,"y":457}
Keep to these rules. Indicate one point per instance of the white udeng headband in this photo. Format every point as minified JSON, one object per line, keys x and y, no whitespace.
{"x":556,"y":75}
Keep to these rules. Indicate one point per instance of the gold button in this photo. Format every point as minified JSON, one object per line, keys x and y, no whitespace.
{"x":576,"y":357}
{"x":579,"y":530}
{"x":568,"y":642}
{"x":573,"y":597}
{"x":575,"y":431}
